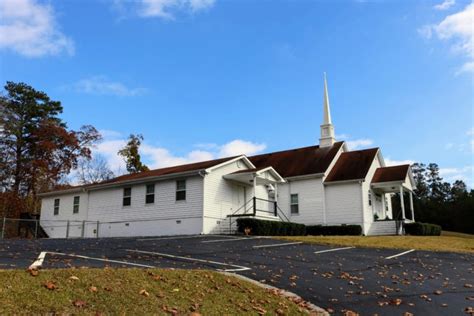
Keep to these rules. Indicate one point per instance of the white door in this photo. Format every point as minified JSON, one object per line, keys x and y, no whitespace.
{"x":238,"y":198}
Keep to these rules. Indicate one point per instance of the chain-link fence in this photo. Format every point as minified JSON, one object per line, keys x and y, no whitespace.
{"x":37,"y":228}
{"x":11,"y":228}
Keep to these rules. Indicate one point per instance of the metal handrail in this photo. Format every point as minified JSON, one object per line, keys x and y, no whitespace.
{"x":243,"y":206}
{"x":281,"y":211}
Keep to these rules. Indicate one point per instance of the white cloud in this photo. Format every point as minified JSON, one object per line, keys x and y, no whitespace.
{"x":358,"y":143}
{"x":197,"y":5}
{"x":458,"y":30}
{"x":109,"y":149}
{"x":391,"y":162}
{"x":239,"y":147}
{"x":30,"y":29}
{"x":165,"y":9}
{"x":159,"y":157}
{"x":445,"y":5}
{"x":101,"y":85}
{"x":353,"y":144}
{"x":465,"y":174}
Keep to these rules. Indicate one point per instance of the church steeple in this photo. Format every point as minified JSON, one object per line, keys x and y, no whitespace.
{"x":327,"y":129}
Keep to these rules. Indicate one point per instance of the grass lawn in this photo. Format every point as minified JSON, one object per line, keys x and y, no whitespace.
{"x":448,"y":241}
{"x":137,"y":292}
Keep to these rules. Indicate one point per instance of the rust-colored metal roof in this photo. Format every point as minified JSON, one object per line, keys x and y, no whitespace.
{"x":288,"y":163}
{"x":170,"y":170}
{"x":393,"y":173}
{"x":298,"y":162}
{"x":352,"y":165}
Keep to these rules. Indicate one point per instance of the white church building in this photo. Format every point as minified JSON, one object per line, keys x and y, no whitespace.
{"x":324,"y":184}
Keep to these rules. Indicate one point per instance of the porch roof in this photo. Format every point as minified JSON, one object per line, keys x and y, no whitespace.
{"x":390,"y":174}
{"x":266,"y":175}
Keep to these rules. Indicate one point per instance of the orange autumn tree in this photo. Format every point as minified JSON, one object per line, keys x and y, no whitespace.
{"x":36,"y":147}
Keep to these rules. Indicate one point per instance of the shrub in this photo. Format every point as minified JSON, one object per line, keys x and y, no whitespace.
{"x":341,"y":230}
{"x":422,"y":229}
{"x":270,"y":228}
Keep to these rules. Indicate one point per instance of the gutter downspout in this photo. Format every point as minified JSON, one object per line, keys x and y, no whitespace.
{"x":363,"y":206}
{"x":203,"y":174}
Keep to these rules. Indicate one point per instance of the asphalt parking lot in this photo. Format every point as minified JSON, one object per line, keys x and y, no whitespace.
{"x":367,"y":281}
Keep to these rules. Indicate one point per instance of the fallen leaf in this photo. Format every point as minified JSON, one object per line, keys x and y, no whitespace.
{"x":92,"y":289}
{"x":79,"y":303}
{"x":438,"y":292}
{"x":396,"y":301}
{"x":73,"y":278}
{"x":144,"y":293}
{"x":50,"y":285}
{"x":468,"y":285}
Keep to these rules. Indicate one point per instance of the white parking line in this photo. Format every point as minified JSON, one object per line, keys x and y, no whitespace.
{"x":333,"y":249}
{"x":39,"y":262}
{"x":279,"y":245}
{"x":235,"y":239}
{"x":237,"y":267}
{"x":184,"y":237}
{"x":400,"y":254}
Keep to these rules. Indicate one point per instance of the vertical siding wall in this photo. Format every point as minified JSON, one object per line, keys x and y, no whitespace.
{"x":344,"y":203}
{"x":164,"y":217}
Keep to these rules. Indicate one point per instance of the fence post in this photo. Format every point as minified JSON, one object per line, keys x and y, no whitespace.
{"x":67,"y":229}
{"x":36,"y":229}
{"x":83,"y":227}
{"x":97,"y":230}
{"x":3,"y":227}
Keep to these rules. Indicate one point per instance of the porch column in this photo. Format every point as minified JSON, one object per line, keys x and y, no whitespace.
{"x":402,"y":202}
{"x":383,"y":206}
{"x":255,"y":186}
{"x":412,"y":209}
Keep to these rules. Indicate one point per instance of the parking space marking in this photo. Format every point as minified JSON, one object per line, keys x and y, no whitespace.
{"x":400,"y":254}
{"x":184,"y":237}
{"x":333,"y":249}
{"x":237,"y":267}
{"x":279,"y":245}
{"x":87,"y":258}
{"x":39,"y":261}
{"x":235,"y":239}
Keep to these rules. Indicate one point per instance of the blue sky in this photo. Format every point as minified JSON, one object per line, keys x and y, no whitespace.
{"x":206,"y":78}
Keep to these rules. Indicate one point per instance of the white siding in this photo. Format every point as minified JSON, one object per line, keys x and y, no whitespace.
{"x":164,"y":217}
{"x":369,"y":210}
{"x":344,"y":203}
{"x":159,"y":218}
{"x":56,"y":225}
{"x":220,"y":199}
{"x":224,"y":197}
{"x":310,"y":199}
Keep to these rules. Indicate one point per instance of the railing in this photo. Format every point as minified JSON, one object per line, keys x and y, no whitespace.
{"x":257,"y":205}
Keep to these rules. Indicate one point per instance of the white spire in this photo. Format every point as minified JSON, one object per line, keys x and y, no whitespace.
{"x":327,"y":110}
{"x":327,"y":129}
